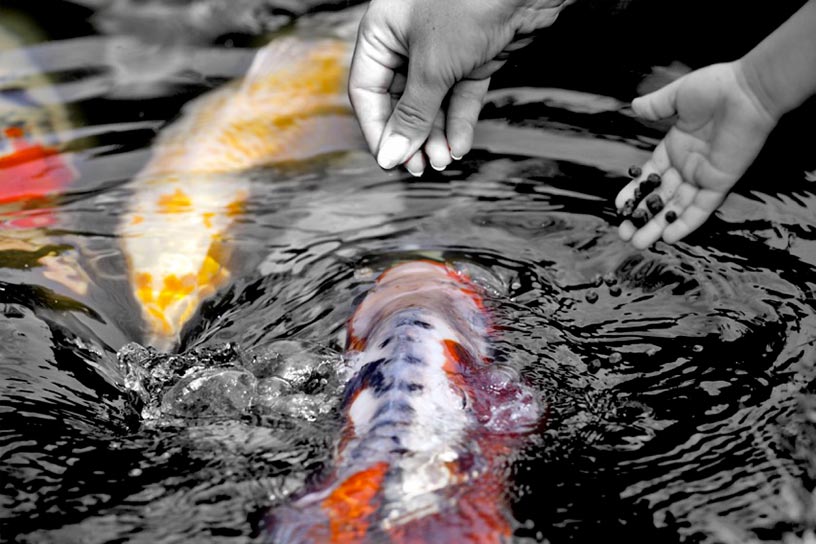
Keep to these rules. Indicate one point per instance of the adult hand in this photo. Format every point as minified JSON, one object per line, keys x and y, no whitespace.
{"x":721,"y":127}
{"x":421,"y":69}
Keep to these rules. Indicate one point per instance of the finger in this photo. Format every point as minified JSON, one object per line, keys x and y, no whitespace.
{"x":703,"y":202}
{"x":626,"y":230}
{"x":410,"y":122}
{"x":658,"y":204}
{"x":467,"y":98}
{"x":660,"y":104}
{"x":372,"y":72}
{"x":436,"y":148}
{"x":416,"y":164}
{"x":658,"y":163}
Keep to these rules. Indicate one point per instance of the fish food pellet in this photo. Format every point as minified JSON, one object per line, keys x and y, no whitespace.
{"x":639,"y":218}
{"x":635,"y":171}
{"x":610,"y":279}
{"x":654,"y":178}
{"x":639,"y":193}
{"x":649,"y":186}
{"x":614,"y":290}
{"x":628,"y":208}
{"x":592,"y":297}
{"x":671,"y":216}
{"x":654,"y":203}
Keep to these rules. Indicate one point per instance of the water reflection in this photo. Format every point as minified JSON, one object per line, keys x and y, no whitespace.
{"x":672,"y":376}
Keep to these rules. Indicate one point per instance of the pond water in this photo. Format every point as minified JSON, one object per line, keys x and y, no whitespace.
{"x":676,"y":380}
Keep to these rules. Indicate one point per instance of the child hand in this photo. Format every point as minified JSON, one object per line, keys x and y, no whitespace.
{"x":721,"y":127}
{"x":449,"y":49}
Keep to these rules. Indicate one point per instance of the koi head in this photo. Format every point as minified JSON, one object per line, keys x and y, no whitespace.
{"x":173,"y":240}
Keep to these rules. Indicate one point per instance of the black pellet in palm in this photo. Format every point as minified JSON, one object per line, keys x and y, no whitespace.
{"x":654,"y":203}
{"x":635,"y":171}
{"x":640,"y":217}
{"x":627,"y":209}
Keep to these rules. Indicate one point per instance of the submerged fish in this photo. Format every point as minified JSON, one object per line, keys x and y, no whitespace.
{"x":33,"y":171}
{"x":429,"y":422}
{"x":291,"y":106}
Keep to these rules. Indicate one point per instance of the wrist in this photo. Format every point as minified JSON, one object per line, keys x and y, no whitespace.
{"x":752,"y":79}
{"x":781,"y":70}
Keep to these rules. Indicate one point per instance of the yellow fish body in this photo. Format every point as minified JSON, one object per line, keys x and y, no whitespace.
{"x":291,"y":106}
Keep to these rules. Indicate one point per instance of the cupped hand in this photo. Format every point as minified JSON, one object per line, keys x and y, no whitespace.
{"x":421,"y":69}
{"x":721,"y":127}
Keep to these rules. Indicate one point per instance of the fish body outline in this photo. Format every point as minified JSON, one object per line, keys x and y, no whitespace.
{"x":429,"y":422}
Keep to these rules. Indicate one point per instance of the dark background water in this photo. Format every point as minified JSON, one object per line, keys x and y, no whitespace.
{"x":677,"y":400}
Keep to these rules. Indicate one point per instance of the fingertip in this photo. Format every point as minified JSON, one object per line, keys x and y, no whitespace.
{"x":623,"y":195}
{"x":393,"y":151}
{"x":437,"y":151}
{"x":626,"y":230}
{"x":674,"y":233}
{"x":648,"y":234}
{"x":463,"y":113}
{"x":416,"y":164}
{"x":460,"y":138}
{"x":638,"y":105}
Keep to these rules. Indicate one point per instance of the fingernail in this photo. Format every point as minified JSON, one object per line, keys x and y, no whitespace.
{"x":437,"y":168}
{"x":415,"y":174}
{"x":393,"y":151}
{"x":456,"y":157}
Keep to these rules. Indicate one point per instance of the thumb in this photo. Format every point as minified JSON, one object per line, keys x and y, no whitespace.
{"x":413,"y":117}
{"x":660,"y":104}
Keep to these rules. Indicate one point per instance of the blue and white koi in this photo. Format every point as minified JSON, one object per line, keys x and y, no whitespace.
{"x":429,"y":419}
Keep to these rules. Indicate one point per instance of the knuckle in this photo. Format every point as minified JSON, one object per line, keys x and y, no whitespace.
{"x":408,"y":114}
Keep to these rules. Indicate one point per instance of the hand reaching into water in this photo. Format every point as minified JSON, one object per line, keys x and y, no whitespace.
{"x":421,"y":69}
{"x":721,"y":127}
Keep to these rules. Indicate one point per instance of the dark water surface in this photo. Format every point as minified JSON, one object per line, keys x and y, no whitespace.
{"x":677,"y":380}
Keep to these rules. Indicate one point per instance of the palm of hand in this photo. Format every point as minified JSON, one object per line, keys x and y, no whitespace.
{"x":719,"y":132}
{"x":721,"y":127}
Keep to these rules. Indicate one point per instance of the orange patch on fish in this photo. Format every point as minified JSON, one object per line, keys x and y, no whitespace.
{"x":455,"y":359}
{"x":144,"y":288}
{"x":174,"y":289}
{"x":356,"y":344}
{"x":208,"y":217}
{"x":352,"y":502}
{"x":176,"y":202}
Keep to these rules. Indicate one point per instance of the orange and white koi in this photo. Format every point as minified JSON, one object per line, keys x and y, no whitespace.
{"x":291,"y":106}
{"x":428,"y":420}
